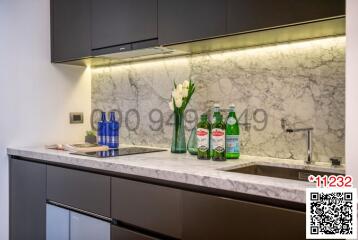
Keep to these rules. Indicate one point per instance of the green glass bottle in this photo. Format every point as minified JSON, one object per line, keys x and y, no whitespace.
{"x":216,"y":113}
{"x":203,"y":137}
{"x":232,"y":135}
{"x":218,"y":139}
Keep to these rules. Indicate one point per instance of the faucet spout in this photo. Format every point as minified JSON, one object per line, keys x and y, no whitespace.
{"x":291,"y":130}
{"x":309,"y":140}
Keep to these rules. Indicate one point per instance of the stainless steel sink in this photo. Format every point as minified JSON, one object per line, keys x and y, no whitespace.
{"x":279,"y":172}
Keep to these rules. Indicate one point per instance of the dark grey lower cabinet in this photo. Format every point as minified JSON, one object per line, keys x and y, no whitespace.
{"x":211,"y":217}
{"x":118,"y":233}
{"x":146,"y":209}
{"x":27,"y":200}
{"x":147,"y":206}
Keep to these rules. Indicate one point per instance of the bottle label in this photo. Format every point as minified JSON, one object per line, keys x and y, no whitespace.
{"x":101,"y":140}
{"x":113,"y":139}
{"x":101,"y":134}
{"x":202,"y":135}
{"x":231,"y":121}
{"x":113,"y":134}
{"x":218,"y":140}
{"x":232,"y":144}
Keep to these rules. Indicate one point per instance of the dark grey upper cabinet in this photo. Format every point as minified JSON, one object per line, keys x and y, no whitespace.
{"x":246,"y":15}
{"x":70,"y":29}
{"x":117,"y":22}
{"x":27,"y":200}
{"x":188,"y":20}
{"x":85,"y":28}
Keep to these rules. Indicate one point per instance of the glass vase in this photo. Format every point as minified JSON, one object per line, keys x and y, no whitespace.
{"x":178,"y":139}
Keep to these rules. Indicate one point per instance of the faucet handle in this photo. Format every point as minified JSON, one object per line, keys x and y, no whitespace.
{"x":283,"y":123}
{"x":336,"y":161}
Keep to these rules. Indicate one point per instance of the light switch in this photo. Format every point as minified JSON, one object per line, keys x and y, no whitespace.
{"x":76,"y":117}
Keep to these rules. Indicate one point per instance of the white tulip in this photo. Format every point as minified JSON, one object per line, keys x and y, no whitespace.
{"x":179,"y":88}
{"x":186,"y":84}
{"x":178,"y":94}
{"x":171,"y":105}
{"x":178,"y":102}
{"x":185,"y":92}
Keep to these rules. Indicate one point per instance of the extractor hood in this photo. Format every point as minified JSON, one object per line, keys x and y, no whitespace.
{"x":295,"y":32}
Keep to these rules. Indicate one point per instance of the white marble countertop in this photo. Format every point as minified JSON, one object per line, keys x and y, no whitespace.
{"x":185,"y":168}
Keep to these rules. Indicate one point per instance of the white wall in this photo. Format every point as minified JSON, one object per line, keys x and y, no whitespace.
{"x":352,"y":90}
{"x":35,"y":95}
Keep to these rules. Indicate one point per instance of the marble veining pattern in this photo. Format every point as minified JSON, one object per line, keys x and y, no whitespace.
{"x":185,"y":168}
{"x":303,"y":82}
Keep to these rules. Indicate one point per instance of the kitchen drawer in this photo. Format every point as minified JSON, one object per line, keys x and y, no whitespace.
{"x":79,"y":189}
{"x":147,"y":206}
{"x":212,"y":217}
{"x":118,"y":233}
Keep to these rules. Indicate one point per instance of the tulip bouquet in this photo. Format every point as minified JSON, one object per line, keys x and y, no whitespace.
{"x":180,"y":98}
{"x":181,"y":95}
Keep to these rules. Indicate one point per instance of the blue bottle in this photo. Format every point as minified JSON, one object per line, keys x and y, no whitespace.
{"x":113,"y":132}
{"x":102,"y":130}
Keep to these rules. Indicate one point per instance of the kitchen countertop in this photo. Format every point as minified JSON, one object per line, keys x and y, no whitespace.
{"x":184,"y":168}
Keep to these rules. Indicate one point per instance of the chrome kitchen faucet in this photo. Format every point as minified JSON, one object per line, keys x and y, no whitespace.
{"x":309,"y":131}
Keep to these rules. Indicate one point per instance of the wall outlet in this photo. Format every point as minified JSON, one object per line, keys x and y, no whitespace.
{"x":76,"y":117}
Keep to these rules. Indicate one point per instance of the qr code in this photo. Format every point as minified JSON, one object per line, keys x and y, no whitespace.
{"x":331,"y":213}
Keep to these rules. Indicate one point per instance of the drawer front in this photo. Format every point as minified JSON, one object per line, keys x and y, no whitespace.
{"x":211,"y":217}
{"x":118,"y":233}
{"x":79,"y":189}
{"x":148,"y":206}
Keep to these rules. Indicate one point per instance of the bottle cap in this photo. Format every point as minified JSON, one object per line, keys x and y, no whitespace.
{"x":216,"y":105}
{"x":232,"y":105}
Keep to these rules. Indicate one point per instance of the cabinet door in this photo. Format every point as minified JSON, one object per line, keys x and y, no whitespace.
{"x":57,"y":223}
{"x":188,"y":20}
{"x":147,"y":206}
{"x":88,"y":228}
{"x":116,"y":22}
{"x":79,"y":189}
{"x":27,"y":200}
{"x":245,"y":15}
{"x":118,"y":233}
{"x":211,"y":217}
{"x":70,"y":26}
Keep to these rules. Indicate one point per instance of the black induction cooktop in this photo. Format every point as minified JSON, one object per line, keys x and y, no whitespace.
{"x":120,"y":152}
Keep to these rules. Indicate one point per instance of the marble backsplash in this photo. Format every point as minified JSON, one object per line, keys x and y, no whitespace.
{"x":302,"y":82}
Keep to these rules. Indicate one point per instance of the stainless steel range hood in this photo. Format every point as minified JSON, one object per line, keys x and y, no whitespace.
{"x":128,"y":56}
{"x":295,"y":32}
{"x":135,"y":55}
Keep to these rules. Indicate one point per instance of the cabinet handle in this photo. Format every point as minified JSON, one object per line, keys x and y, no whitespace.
{"x":107,"y":219}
